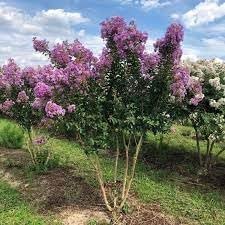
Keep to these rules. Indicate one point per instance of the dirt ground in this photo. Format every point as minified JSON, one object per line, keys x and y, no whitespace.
{"x":68,"y":196}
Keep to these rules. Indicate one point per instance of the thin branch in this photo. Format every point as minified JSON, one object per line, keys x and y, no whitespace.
{"x":97,"y":167}
{"x":117,"y":158}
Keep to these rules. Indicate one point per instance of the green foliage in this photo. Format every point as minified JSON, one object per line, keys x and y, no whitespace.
{"x":11,"y":135}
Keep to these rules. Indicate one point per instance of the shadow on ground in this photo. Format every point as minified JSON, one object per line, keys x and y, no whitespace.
{"x":184,"y":162}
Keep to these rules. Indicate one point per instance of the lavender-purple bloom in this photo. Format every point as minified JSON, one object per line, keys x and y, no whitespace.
{"x":53,"y":110}
{"x":42,"y":90}
{"x":40,"y":45}
{"x":22,"y":97}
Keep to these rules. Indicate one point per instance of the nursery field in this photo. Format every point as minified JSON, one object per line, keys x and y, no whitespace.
{"x":126,"y":137}
{"x":168,"y":187}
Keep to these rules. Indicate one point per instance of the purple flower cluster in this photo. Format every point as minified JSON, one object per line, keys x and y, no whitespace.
{"x":105,"y":61}
{"x":81,"y":54}
{"x":22,"y":97}
{"x":195,"y":88}
{"x":112,"y":26}
{"x":170,"y":45}
{"x":11,"y":74}
{"x":149,"y":62}
{"x":40,"y":45}
{"x":169,"y":50}
{"x":42,"y":90}
{"x":74,"y":64}
{"x":71,"y":108}
{"x":60,"y":55}
{"x":180,"y":82}
{"x":30,"y":76}
{"x":77,"y":73}
{"x":53,"y":110}
{"x":38,"y":103}
{"x":127,"y":38}
{"x":6,"y":106}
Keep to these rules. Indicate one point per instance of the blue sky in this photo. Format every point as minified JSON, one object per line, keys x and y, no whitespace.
{"x":204,"y":23}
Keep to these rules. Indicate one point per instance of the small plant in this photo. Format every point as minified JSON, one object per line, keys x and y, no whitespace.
{"x":11,"y":135}
{"x":92,"y":222}
{"x":41,"y":153}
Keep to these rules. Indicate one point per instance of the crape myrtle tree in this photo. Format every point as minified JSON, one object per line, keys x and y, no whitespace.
{"x":208,"y":117}
{"x":109,"y":94}
{"x":125,"y":111}
{"x":72,"y":67}
{"x":17,"y":96}
{"x":117,"y":98}
{"x":34,"y":96}
{"x":140,"y":91}
{"x":170,"y":81}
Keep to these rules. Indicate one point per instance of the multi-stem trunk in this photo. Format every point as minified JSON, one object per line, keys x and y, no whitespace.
{"x":131,"y":177}
{"x":115,"y":205}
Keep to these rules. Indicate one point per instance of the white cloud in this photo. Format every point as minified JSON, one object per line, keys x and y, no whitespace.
{"x":151,"y":4}
{"x":203,"y":13}
{"x":149,"y":45}
{"x":190,"y":53}
{"x":215,"y":45}
{"x":19,"y":27}
{"x":126,"y":2}
{"x":207,"y":48}
{"x":175,"y":16}
{"x":146,"y":4}
{"x":59,"y":16}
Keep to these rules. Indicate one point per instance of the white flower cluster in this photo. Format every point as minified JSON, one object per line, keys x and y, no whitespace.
{"x":215,"y":82}
{"x":213,"y":73}
{"x":193,"y":116}
{"x":219,"y":133}
{"x":216,"y":104}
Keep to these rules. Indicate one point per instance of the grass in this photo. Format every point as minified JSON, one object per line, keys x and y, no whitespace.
{"x":15,"y":211}
{"x":182,"y":140}
{"x":11,"y":135}
{"x":200,"y":204}
{"x":169,"y":178}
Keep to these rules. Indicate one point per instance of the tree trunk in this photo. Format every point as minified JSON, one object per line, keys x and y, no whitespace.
{"x":198,"y":146}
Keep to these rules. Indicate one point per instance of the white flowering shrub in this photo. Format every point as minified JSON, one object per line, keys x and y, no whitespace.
{"x":208,"y":116}
{"x":211,"y":74}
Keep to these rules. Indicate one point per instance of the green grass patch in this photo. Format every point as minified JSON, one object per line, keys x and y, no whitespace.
{"x":15,"y":211}
{"x":11,"y":135}
{"x":155,"y":181}
{"x":200,"y":204}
